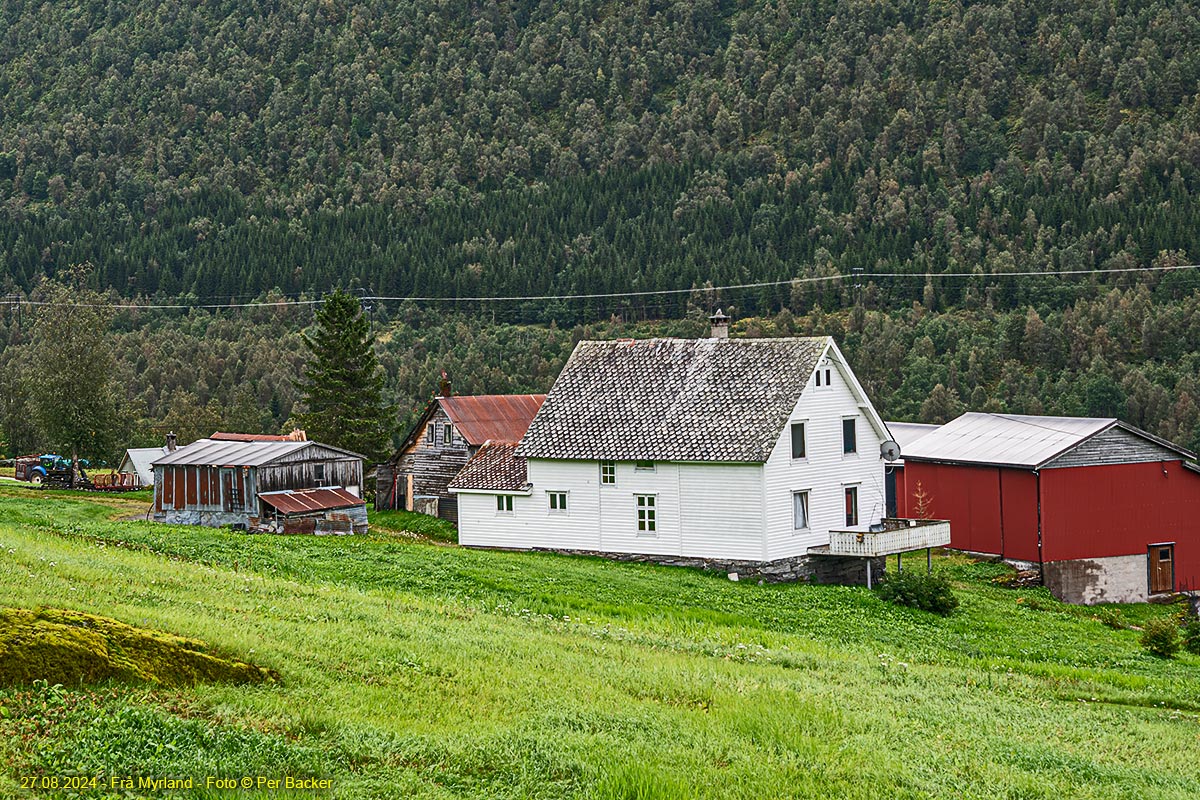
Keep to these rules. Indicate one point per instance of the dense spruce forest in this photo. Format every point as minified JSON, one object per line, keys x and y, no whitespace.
{"x":479,"y":148}
{"x":934,"y":152}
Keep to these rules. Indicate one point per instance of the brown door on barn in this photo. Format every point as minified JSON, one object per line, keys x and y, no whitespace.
{"x":1162,"y":568}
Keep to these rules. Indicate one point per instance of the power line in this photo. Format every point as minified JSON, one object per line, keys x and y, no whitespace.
{"x":870,"y":276}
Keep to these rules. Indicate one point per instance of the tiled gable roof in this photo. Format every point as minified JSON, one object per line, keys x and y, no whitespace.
{"x":495,"y":467}
{"x":673,"y":399}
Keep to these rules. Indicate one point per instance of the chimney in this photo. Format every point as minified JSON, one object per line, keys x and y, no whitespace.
{"x":720,"y":325}
{"x":444,"y":387}
{"x":171,"y":439}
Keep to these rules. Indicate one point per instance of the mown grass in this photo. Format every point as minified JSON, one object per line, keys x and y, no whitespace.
{"x":418,"y":670}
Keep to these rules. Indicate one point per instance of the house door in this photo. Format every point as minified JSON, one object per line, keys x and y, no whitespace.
{"x":1162,"y":568}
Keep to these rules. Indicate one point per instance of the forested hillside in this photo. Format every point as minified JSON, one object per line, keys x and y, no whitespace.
{"x":440,"y":148}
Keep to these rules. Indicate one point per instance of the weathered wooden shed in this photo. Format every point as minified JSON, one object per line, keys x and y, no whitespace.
{"x":219,"y":482}
{"x":1106,"y":511}
{"x":449,"y":431}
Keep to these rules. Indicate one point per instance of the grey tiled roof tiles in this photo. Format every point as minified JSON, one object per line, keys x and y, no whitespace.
{"x":673,"y":399}
{"x":493,"y":467}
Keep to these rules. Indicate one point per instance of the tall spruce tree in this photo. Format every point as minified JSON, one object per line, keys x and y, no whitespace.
{"x":342,"y":388}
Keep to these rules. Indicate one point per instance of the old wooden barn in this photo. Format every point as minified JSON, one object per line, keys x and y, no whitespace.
{"x":449,"y":431}
{"x":212,"y":482}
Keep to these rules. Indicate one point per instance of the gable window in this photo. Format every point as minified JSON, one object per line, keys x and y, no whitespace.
{"x":643,"y":466}
{"x":851,"y":505}
{"x":608,"y":472}
{"x":504,"y":504}
{"x":647,"y":521}
{"x":800,"y":511}
{"x":850,"y":435}
{"x":558,"y":501}
{"x":319,"y":472}
{"x":431,"y":433}
{"x":827,"y":376}
{"x":798,"y":444}
{"x":447,"y":434}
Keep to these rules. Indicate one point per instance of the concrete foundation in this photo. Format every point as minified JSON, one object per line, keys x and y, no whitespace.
{"x":846,"y":571}
{"x":1117,"y":579}
{"x":212,"y":519}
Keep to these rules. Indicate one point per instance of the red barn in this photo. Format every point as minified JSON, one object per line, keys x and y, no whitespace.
{"x":1109,"y":512}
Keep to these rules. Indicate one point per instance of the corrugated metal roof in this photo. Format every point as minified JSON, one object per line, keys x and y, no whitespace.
{"x":140,"y":459}
{"x":303,"y":501}
{"x":1010,"y":440}
{"x":906,"y":434}
{"x":673,"y":399}
{"x":495,"y":467}
{"x":209,"y":452}
{"x":501,"y":417}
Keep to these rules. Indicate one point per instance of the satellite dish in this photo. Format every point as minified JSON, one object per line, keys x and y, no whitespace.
{"x":889,"y":451}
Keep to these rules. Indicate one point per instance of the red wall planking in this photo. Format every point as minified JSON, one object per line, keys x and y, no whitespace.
{"x":1093,"y":512}
{"x":1019,"y":521}
{"x":967,"y":496}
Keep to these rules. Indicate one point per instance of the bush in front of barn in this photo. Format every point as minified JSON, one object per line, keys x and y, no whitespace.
{"x":925,"y":591}
{"x":1160,"y":637}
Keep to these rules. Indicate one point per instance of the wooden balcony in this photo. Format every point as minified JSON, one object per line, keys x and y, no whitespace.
{"x":895,"y":536}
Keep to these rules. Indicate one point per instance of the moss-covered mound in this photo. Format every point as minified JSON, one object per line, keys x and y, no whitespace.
{"x":72,"y":648}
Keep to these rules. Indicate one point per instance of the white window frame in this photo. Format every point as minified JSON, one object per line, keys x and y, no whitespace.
{"x":431,"y":433}
{"x":847,"y":487}
{"x":853,"y":453}
{"x":806,"y":494}
{"x":504,"y":505}
{"x":644,"y":466}
{"x":319,"y":472}
{"x":827,"y":373}
{"x":565,"y":508}
{"x":607,"y":467}
{"x":645,"y":515}
{"x":804,"y":438}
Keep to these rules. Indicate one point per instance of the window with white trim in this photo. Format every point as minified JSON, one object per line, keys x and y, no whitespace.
{"x":850,"y":435}
{"x":827,"y":374}
{"x":558,"y":501}
{"x":608,"y":472}
{"x":643,"y":466}
{"x":851,"y":505}
{"x":799,"y":445}
{"x":319,"y":472}
{"x":800,"y":510}
{"x":504,"y":504}
{"x":647,"y":513}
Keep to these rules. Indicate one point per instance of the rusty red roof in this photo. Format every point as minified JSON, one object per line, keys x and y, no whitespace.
{"x":304,"y":501}
{"x":494,"y":467}
{"x":502,"y":417}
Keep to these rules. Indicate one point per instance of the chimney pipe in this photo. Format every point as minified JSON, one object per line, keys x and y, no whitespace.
{"x":171,"y":440}
{"x":445,"y":385}
{"x":720,"y":325}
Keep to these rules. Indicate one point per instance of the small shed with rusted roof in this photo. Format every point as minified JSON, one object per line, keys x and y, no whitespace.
{"x":448,"y":433}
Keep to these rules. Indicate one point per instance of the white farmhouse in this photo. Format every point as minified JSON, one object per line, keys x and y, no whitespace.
{"x":738,"y":454}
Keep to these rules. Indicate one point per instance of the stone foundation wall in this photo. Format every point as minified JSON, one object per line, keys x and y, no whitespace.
{"x":1117,"y":579}
{"x":846,"y":571}
{"x":212,"y":519}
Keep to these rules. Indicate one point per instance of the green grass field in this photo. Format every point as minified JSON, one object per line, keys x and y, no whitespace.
{"x":413,"y":669}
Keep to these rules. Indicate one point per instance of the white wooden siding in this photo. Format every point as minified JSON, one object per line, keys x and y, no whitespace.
{"x":703,"y":510}
{"x":825,"y":472}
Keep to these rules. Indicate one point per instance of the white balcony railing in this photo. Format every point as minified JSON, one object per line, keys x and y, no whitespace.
{"x":896,"y":536}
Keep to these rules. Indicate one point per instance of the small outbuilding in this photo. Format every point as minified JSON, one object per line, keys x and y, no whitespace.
{"x":137,"y":464}
{"x":212,"y":482}
{"x":450,"y":430}
{"x":1107,"y":511}
{"x":325,"y":510}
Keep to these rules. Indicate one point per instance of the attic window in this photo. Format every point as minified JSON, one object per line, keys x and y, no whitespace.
{"x":828,"y":374}
{"x":319,"y":472}
{"x":431,"y":433}
{"x":447,"y":434}
{"x":643,"y":466}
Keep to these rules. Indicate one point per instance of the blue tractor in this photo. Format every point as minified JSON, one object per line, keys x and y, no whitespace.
{"x":54,"y":470}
